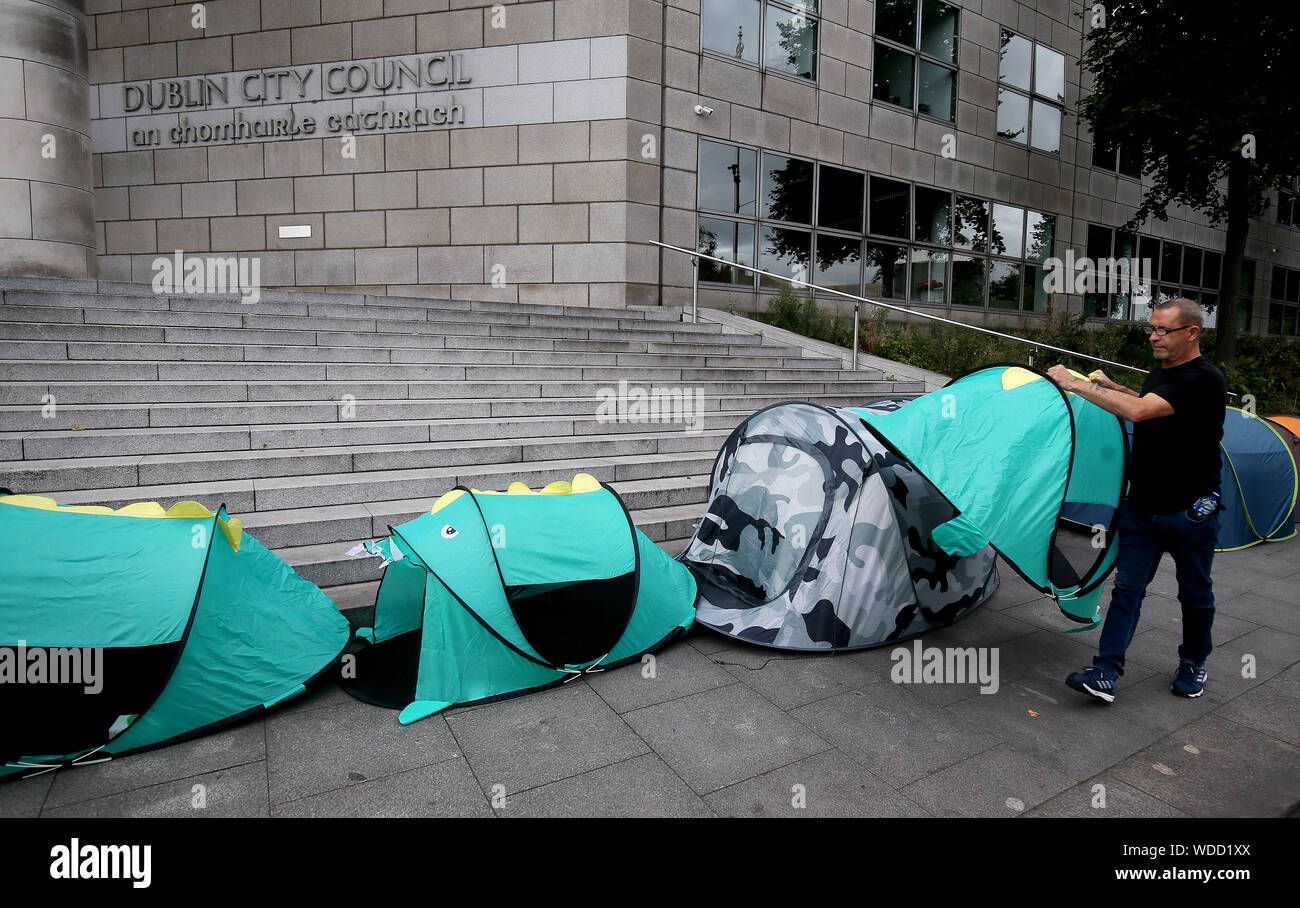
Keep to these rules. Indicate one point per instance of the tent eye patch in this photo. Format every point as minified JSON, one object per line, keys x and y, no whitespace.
{"x":450,"y":532}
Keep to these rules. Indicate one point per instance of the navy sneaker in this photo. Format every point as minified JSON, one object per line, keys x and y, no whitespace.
{"x":1092,"y":680}
{"x":1190,"y":680}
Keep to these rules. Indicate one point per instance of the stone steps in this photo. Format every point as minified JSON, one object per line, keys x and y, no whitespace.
{"x":320,"y":420}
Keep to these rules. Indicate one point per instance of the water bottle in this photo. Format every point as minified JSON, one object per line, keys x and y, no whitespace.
{"x":1204,"y":507}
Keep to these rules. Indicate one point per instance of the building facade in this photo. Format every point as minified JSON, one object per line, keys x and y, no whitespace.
{"x":922,"y":152}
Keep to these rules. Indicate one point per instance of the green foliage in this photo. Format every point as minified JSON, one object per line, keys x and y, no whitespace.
{"x":1267,"y":367}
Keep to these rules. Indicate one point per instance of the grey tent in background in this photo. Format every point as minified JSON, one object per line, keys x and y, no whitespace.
{"x":817,"y":537}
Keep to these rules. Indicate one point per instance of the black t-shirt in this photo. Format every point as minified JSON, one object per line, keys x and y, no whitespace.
{"x":1176,"y":458}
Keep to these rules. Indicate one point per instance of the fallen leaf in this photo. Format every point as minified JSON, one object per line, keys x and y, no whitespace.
{"x":1032,"y":713}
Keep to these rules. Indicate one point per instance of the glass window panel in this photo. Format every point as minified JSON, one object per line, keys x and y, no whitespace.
{"x":791,"y":43}
{"x":1244,"y":314}
{"x":886,"y":271}
{"x":1278,"y":289}
{"x":1275,"y":316}
{"x":1049,"y":73}
{"x":786,"y":252}
{"x":1103,"y":156}
{"x":730,"y":240}
{"x":933,"y":216}
{"x":1141,"y":303}
{"x":896,"y":20}
{"x":936,"y":93}
{"x":731,"y":27}
{"x":929,"y":275}
{"x":1125,"y":245}
{"x":1165,"y":294}
{"x":1292,"y":286}
{"x":1171,"y":262}
{"x":728,"y":178}
{"x":1046,"y":134}
{"x":839,"y":199}
{"x":1040,"y":235}
{"x":787,"y":188}
{"x":1013,"y":67}
{"x":893,"y":76}
{"x":939,"y":30}
{"x":1008,"y":236}
{"x":1130,"y":164}
{"x":1212,"y":275}
{"x":968,"y":277}
{"x":1247,"y":278}
{"x":1036,"y":298}
{"x":1004,"y":286}
{"x":1013,"y":116}
{"x":1098,"y":242}
{"x":838,"y":263}
{"x":889,"y":208}
{"x":1149,"y":253}
{"x":971,"y":224}
{"x":1096,"y":305}
{"x":1192,"y":266}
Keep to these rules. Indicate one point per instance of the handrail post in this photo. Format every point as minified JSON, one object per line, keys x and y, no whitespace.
{"x":854,"y":368}
{"x":695,"y":289}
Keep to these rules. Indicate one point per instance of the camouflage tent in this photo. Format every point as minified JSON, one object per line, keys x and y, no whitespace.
{"x":817,"y":538}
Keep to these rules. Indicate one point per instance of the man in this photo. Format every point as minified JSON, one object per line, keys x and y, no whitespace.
{"x":1172,"y":505}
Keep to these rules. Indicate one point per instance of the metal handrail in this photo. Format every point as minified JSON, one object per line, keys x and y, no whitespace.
{"x":696,"y":254}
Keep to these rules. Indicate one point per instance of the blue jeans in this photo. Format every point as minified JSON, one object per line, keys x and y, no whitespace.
{"x":1143,"y":539}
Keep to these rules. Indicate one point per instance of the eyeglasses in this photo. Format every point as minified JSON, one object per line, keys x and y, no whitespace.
{"x":1149,"y":330}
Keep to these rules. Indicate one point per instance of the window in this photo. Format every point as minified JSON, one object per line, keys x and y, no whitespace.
{"x":1031,"y":90}
{"x":916,"y":56}
{"x":1285,"y":290}
{"x":1114,"y":158}
{"x":844,"y":230}
{"x":1288,"y":213}
{"x":777,"y":36}
{"x":1179,"y":269}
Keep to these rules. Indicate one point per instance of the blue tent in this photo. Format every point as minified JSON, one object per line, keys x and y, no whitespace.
{"x":1259,"y":483}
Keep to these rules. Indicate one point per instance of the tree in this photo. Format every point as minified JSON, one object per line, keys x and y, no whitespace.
{"x":1206,"y":97}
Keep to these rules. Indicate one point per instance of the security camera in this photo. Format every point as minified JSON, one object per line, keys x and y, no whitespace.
{"x":703,"y":111}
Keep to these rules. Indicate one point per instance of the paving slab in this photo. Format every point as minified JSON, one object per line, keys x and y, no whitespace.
{"x":1000,"y":781}
{"x":1104,"y":797}
{"x":828,"y":784}
{"x":894,"y":732}
{"x":235,"y":746}
{"x":722,"y":736}
{"x":311,"y":751}
{"x":239,"y":791}
{"x":445,"y":789}
{"x":678,"y":670}
{"x":529,"y":741}
{"x":1214,"y":767}
{"x":643,"y":786}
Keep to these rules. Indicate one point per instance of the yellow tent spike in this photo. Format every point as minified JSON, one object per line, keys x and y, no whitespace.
{"x":584,"y":482}
{"x":445,"y":500}
{"x":188,"y":509}
{"x":31,"y":501}
{"x":518,"y":488}
{"x":141,"y":509}
{"x":559,"y":487}
{"x":234,"y":531}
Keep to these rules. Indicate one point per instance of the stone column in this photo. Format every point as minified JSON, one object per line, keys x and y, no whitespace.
{"x":47,"y":207}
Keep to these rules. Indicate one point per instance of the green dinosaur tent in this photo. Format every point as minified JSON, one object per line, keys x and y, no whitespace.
{"x":1014,"y":453}
{"x":495,"y":594}
{"x":125,"y":630}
